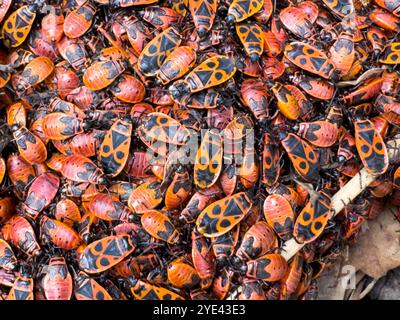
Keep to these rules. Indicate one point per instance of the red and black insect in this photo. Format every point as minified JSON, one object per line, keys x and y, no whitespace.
{"x":8,"y":261}
{"x":313,"y":218}
{"x":224,"y":246}
{"x":17,"y":26}
{"x":240,"y":10}
{"x":59,"y":234}
{"x":371,"y":147}
{"x":30,"y":147}
{"x":159,"y":226}
{"x":79,"y":168}
{"x":114,"y":150}
{"x":143,"y":290}
{"x":257,"y":241}
{"x":203,"y":259}
{"x":302,"y":156}
{"x":222,"y":215}
{"x":181,"y":274}
{"x":106,"y":207}
{"x":57,"y":282}
{"x":20,"y":172}
{"x":41,"y":193}
{"x":22,"y":288}
{"x":78,"y":21}
{"x":105,"y":253}
{"x":270,"y":267}
{"x":255,"y":96}
{"x":20,"y":232}
{"x":86,"y":288}
{"x":153,"y":55}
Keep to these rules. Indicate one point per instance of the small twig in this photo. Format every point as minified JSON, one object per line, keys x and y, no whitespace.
{"x":368,"y":288}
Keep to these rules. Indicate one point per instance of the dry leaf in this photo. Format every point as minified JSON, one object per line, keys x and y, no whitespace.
{"x":378,"y":250}
{"x":329,"y":284}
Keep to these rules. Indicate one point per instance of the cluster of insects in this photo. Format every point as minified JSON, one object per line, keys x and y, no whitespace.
{"x":168,"y":149}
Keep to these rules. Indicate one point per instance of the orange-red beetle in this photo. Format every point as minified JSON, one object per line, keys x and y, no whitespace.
{"x":41,"y":193}
{"x":270,"y":267}
{"x":57,"y":283}
{"x":159,"y":226}
{"x":60,"y":126}
{"x":86,"y":288}
{"x":106,"y":207}
{"x":67,"y":211}
{"x":30,"y":147}
{"x":106,"y":253}
{"x":52,"y":24}
{"x":178,"y":191}
{"x":257,"y":241}
{"x":222,"y":215}
{"x":79,"y":168}
{"x":78,"y":22}
{"x":35,"y":72}
{"x":203,"y":259}
{"x":312,"y":219}
{"x":143,"y":290}
{"x":8,"y":261}
{"x":371,"y":147}
{"x":102,"y":73}
{"x":21,"y":234}
{"x":145,"y":197}
{"x":178,"y":63}
{"x":287,"y":103}
{"x":254,"y":95}
{"x":22,"y":288}
{"x":302,"y":156}
{"x":279,"y":214}
{"x":252,"y":290}
{"x":319,"y":133}
{"x":181,"y":274}
{"x":128,"y":89}
{"x":20,"y":172}
{"x":291,"y":280}
{"x":16,"y":114}
{"x":59,"y":234}
{"x":203,"y":13}
{"x":114,"y":149}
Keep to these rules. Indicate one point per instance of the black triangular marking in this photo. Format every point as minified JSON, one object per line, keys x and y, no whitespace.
{"x":203,"y":10}
{"x":245,"y":5}
{"x":86,"y":290}
{"x":117,"y":139}
{"x":112,"y":249}
{"x":21,"y":295}
{"x":251,"y":37}
{"x":232,"y":209}
{"x":170,"y":131}
{"x":367,"y":136}
{"x":166,"y":44}
{"x":19,"y":22}
{"x":204,"y":76}
{"x":152,"y":295}
{"x":317,"y":62}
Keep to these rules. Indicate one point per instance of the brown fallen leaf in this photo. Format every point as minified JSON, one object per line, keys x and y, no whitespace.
{"x":378,"y":250}
{"x":329,"y":284}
